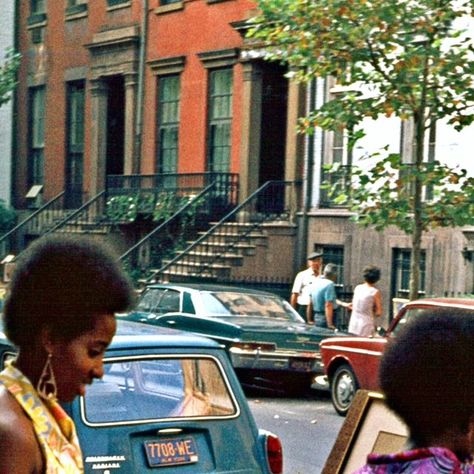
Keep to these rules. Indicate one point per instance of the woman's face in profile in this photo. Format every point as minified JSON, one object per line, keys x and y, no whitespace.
{"x":78,"y":362}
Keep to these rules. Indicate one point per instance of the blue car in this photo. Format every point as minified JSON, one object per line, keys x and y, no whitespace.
{"x":170,"y":400}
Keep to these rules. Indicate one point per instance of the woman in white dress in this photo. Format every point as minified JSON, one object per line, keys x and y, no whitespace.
{"x":366,"y":304}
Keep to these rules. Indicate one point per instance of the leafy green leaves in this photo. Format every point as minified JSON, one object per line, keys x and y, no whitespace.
{"x":7,"y":217}
{"x":413,"y":53}
{"x":382,"y":195}
{"x":8,"y":75}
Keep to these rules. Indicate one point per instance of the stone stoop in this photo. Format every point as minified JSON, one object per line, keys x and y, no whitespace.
{"x":265,"y":253}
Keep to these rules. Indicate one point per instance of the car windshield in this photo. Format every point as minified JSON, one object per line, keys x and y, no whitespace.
{"x":157,"y":388}
{"x":228,"y":303}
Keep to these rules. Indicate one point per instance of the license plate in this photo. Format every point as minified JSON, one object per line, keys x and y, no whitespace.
{"x":302,"y":365}
{"x":170,"y":452}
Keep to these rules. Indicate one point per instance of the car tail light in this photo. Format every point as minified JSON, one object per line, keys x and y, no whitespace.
{"x":274,"y":454}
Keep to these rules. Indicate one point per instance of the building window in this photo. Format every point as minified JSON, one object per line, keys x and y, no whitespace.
{"x":220,"y":119}
{"x":36,"y":136}
{"x":407,"y":138}
{"x":334,"y":254}
{"x":168,"y":123}
{"x":337,"y":151}
{"x":401,"y":273}
{"x":75,"y":7}
{"x":38,"y":7}
{"x":168,"y":2}
{"x":75,"y":143}
{"x":113,"y":3}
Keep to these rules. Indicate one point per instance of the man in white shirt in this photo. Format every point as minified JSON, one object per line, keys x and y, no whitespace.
{"x":300,"y":293}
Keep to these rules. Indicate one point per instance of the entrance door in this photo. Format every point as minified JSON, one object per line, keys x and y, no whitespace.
{"x":273,"y":129}
{"x":115,"y":125}
{"x":274,"y":123}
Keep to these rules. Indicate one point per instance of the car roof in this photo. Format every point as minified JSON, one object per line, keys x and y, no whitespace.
{"x":131,"y":334}
{"x":210,"y":287}
{"x":466,"y":303}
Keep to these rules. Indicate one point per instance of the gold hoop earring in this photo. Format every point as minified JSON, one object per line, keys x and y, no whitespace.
{"x":46,"y":386}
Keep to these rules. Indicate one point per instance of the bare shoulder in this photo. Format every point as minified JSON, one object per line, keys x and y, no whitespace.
{"x":19,"y":448}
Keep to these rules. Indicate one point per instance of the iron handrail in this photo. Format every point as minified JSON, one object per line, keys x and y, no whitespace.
{"x":228,"y":217}
{"x":167,"y":221}
{"x":31,"y":217}
{"x":77,"y":212}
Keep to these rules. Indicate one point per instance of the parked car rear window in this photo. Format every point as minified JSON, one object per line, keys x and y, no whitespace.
{"x":142,"y":389}
{"x":229,"y":303}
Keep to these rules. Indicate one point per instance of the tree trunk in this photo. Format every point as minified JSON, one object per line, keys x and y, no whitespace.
{"x":417,"y":206}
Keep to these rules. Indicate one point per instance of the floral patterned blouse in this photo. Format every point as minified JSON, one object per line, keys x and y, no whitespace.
{"x":53,"y":427}
{"x":417,"y":461}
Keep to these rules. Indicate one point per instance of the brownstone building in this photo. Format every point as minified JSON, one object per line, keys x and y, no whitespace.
{"x":117,"y":98}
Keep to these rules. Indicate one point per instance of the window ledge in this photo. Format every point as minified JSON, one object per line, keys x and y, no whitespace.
{"x":38,"y":19}
{"x":210,"y":2}
{"x":171,"y":7}
{"x":76,"y":11}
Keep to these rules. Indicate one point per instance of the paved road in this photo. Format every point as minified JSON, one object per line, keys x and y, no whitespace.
{"x":307,"y":426}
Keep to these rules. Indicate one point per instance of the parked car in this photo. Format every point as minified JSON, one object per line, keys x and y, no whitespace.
{"x":168,"y":399}
{"x":270,"y":345}
{"x":352,"y":362}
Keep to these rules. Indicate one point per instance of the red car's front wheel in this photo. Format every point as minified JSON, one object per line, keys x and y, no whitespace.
{"x":344,"y":386}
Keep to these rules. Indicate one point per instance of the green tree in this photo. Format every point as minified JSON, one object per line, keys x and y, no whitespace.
{"x":407,"y":58}
{"x":8,"y":75}
{"x":7,"y":218}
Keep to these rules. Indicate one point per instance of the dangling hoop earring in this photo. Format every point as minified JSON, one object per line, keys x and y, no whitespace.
{"x":46,"y":386}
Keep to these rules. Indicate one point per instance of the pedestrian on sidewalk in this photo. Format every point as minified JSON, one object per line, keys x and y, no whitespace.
{"x":323,"y":300}
{"x":304,"y":280}
{"x":366,"y":304}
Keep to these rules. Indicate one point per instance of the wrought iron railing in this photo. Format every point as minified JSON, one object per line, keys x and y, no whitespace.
{"x":334,"y":183}
{"x":37,"y":223}
{"x":169,"y":236}
{"x":205,"y":256}
{"x":90,"y":214}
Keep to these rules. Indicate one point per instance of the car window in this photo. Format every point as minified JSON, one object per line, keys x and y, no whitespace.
{"x":149,"y":300}
{"x":243,"y":304}
{"x":159,"y":301}
{"x":158,"y":388}
{"x":169,"y":303}
{"x":409,"y":314}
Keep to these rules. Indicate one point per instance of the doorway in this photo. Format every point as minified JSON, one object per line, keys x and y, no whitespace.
{"x":273,"y":134}
{"x":274,"y":122}
{"x":115,"y":125}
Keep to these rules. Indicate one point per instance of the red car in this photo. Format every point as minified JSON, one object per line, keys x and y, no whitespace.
{"x":352,"y":362}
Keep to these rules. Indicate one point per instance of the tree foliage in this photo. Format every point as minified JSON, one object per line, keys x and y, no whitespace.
{"x":412,"y":59}
{"x":8,"y":75}
{"x":7,"y":218}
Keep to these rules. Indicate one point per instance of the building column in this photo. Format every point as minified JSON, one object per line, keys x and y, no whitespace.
{"x":98,"y":140}
{"x":131,"y":166}
{"x":294,"y":142}
{"x":251,"y":125}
